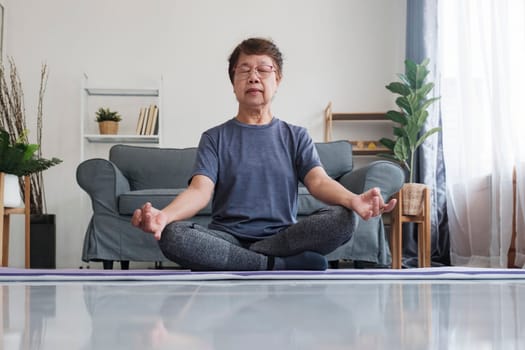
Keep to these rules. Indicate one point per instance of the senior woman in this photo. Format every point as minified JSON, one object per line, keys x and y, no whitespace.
{"x":250,"y":167}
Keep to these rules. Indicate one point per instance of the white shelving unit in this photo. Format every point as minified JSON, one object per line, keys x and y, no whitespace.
{"x":127,"y":101}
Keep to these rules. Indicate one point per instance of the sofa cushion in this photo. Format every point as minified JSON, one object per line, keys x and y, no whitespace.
{"x":150,"y":167}
{"x":159,"y":198}
{"x":336,"y":157}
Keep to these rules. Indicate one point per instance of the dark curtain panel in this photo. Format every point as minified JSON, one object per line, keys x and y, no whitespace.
{"x":421,"y":43}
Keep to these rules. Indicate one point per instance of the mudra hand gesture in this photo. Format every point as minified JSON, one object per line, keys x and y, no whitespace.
{"x":150,"y":219}
{"x":370,"y":204}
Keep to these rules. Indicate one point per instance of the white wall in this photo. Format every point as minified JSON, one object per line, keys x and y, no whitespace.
{"x":345,"y":51}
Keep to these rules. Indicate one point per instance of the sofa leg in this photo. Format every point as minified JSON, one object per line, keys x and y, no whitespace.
{"x":107,"y":264}
{"x":158,"y":265}
{"x":334,"y":264}
{"x":124,"y":265}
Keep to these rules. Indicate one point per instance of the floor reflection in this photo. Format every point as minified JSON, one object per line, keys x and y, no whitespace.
{"x":264,"y":314}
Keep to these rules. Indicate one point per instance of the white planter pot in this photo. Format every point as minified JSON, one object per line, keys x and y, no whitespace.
{"x":12,"y":196}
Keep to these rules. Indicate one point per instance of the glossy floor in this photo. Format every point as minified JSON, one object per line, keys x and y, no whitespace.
{"x":264,"y":315}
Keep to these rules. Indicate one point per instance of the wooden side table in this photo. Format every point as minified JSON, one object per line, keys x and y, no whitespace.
{"x":423,"y":231}
{"x":5,"y":213}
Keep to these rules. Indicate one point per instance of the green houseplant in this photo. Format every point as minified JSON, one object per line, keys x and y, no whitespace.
{"x":13,"y":122}
{"x":20,"y":158}
{"x":413,"y":103}
{"x":28,"y":156}
{"x":107,"y":120}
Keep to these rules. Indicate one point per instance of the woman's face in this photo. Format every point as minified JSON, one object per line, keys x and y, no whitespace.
{"x":255,"y":80}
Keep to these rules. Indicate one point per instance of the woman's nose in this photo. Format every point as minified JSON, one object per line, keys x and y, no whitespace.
{"x":253,"y":78}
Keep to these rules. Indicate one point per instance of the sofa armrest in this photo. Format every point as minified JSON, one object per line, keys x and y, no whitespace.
{"x":369,"y":241}
{"x":386,"y":175}
{"x":103,"y":182}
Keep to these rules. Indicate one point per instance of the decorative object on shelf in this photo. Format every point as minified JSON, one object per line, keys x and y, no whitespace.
{"x":108,"y":121}
{"x":367,"y":148}
{"x":22,"y":157}
{"x":148,"y":123}
{"x":413,"y":103}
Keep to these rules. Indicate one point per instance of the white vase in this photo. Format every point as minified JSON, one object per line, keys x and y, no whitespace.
{"x":12,"y":196}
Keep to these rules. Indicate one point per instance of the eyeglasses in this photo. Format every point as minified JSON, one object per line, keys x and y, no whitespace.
{"x":262,"y":71}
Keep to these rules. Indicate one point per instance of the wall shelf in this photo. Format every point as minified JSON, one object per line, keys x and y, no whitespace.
{"x":359,"y":147}
{"x":123,"y":138}
{"x":121,"y":92}
{"x":359,"y":116}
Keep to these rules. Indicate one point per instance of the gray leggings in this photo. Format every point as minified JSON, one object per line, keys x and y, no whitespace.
{"x":198,"y":248}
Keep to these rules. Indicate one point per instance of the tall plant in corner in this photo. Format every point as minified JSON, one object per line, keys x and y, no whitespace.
{"x":413,"y":103}
{"x":13,"y":121}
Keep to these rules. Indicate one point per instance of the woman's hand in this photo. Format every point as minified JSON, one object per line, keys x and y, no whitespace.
{"x":370,"y":204}
{"x":150,"y":219}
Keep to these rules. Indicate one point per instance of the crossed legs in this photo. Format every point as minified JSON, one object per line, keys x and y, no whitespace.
{"x":301,"y":246}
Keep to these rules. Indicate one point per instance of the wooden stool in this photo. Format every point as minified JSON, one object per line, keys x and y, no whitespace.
{"x":4,"y":221}
{"x":423,"y":231}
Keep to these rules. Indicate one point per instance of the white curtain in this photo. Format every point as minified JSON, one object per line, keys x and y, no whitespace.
{"x":482,"y":60}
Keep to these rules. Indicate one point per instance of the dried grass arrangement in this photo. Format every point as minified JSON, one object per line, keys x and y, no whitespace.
{"x":13,"y":120}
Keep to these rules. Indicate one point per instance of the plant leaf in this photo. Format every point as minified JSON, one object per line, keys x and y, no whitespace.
{"x":404,"y":104}
{"x":388,"y":143}
{"x":397,"y":117}
{"x":401,"y":149}
{"x":398,"y":88}
{"x":399,"y":132}
{"x":421,"y":75}
{"x":424,"y":90}
{"x":426,"y":135}
{"x":411,"y":73}
{"x":428,"y":102}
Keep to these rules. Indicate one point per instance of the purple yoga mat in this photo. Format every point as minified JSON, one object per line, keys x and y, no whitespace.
{"x":449,"y":273}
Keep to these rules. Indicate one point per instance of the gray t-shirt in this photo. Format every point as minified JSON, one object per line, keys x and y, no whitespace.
{"x":256,"y":170}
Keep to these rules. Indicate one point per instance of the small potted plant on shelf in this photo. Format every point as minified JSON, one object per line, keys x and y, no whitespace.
{"x":410,"y":119}
{"x":108,"y":121}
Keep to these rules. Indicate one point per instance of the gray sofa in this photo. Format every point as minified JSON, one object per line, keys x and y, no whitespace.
{"x":134,"y":175}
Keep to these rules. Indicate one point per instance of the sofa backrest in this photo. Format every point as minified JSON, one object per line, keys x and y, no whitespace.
{"x":336,"y":157}
{"x":153,"y":167}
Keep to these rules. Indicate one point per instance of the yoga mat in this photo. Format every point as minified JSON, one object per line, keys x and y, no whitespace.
{"x":436,"y":273}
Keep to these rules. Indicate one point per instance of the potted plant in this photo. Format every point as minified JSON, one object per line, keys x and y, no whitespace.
{"x":410,"y":119}
{"x":108,"y":121}
{"x":13,"y":122}
{"x":18,"y":159}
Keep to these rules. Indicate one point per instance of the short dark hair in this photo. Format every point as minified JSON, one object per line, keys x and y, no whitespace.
{"x":256,"y":46}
